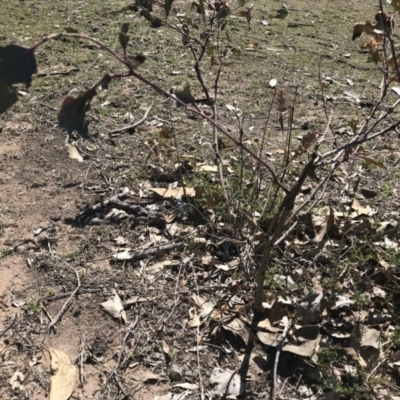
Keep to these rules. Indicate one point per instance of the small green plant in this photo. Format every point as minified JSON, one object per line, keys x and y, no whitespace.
{"x":33,"y":305}
{"x":61,"y":177}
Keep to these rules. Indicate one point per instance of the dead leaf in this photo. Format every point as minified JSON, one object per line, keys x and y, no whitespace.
{"x":63,"y":377}
{"x":270,"y":339}
{"x":206,"y":168}
{"x":370,"y":337}
{"x":165,"y":347}
{"x":145,"y":375}
{"x":228,"y":383}
{"x":342,"y":301}
{"x":16,"y":381}
{"x":187,"y":386}
{"x":359,"y":209}
{"x":194,"y":321}
{"x":197,"y":300}
{"x":206,"y":308}
{"x":239,"y":328}
{"x":174,"y":192}
{"x":308,"y":337}
{"x":166,"y":133}
{"x":114,"y":307}
{"x":121,"y":241}
{"x":265,"y":324}
{"x":122,"y":255}
{"x":138,"y":299}
{"x":73,"y":152}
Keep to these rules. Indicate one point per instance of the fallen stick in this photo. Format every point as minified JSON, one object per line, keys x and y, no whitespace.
{"x":66,"y":304}
{"x":137,"y":210}
{"x":140,"y":255}
{"x":278,"y":352}
{"x":133,"y":126}
{"x":124,"y":340}
{"x":100,"y":205}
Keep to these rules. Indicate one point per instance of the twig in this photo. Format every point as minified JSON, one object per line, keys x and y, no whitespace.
{"x":198,"y":73}
{"x":123,"y":344}
{"x":278,"y":352}
{"x":140,"y":255}
{"x":9,"y":326}
{"x":137,"y":210}
{"x":64,"y":307}
{"x":80,"y":359}
{"x":100,"y":205}
{"x":115,"y":374}
{"x":135,"y":125}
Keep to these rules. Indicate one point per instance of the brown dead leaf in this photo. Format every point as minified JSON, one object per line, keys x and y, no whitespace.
{"x":174,"y":192}
{"x":214,"y":61}
{"x":377,"y":163}
{"x":166,"y":133}
{"x":246,"y":13}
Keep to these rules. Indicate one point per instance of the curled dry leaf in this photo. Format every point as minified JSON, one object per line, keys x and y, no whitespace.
{"x":16,"y":381}
{"x":194,"y":321}
{"x":73,"y":152}
{"x":64,"y":375}
{"x":342,"y":301}
{"x":239,"y":328}
{"x":114,"y":307}
{"x":122,"y":255}
{"x":187,"y":386}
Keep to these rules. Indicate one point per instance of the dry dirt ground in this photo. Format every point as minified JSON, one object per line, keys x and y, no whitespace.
{"x":46,"y":245}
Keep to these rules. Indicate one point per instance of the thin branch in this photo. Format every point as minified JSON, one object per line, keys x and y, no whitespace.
{"x":66,"y":304}
{"x":102,"y":204}
{"x":135,"y":125}
{"x":140,"y":255}
{"x":198,"y":74}
{"x":124,"y":340}
{"x":278,"y":352}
